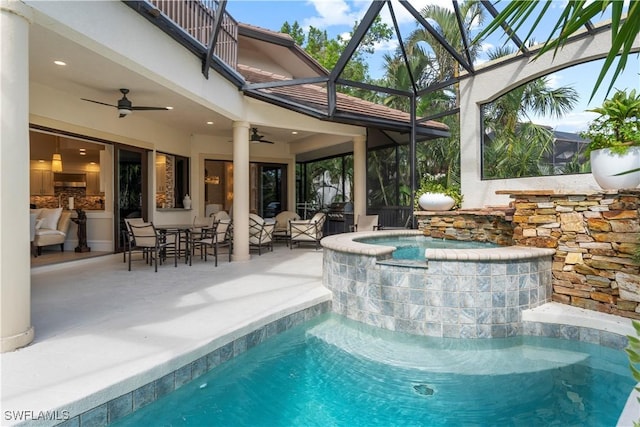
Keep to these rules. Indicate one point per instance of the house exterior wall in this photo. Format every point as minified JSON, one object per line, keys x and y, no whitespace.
{"x":485,"y":87}
{"x":154,"y":55}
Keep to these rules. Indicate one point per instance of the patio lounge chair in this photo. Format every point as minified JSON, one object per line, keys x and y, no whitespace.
{"x":307,"y":230}
{"x":260,"y":233}
{"x":281,"y":230}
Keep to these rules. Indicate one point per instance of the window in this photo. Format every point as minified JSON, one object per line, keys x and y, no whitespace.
{"x":534,"y":129}
{"x":172,"y":180}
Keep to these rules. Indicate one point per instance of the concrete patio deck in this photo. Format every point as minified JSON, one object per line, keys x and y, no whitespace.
{"x":101,"y":331}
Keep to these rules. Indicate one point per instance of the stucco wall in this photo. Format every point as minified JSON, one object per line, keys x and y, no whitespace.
{"x":487,"y":86}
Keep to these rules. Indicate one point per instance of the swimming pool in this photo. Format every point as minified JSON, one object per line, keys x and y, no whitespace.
{"x":335,"y":372}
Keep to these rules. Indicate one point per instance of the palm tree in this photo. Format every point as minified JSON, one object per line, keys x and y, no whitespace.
{"x":574,"y":16}
{"x":445,"y":22}
{"x":442,"y":157}
{"x":514,"y":145}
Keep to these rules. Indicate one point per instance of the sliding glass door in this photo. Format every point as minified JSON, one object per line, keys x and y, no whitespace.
{"x":130,"y":188}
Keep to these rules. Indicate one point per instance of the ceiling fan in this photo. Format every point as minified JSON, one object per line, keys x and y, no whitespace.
{"x":256,"y":138}
{"x":124,"y":105}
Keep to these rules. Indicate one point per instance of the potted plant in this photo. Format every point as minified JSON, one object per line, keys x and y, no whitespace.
{"x":435,"y":196}
{"x":614,"y":149}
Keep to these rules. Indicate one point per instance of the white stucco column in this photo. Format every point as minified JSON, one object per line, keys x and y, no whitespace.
{"x":15,"y":263}
{"x":359,"y":176}
{"x":241,"y":191}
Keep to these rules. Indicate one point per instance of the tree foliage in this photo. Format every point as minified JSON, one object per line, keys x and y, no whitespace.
{"x":574,"y":16}
{"x":514,"y":146}
{"x":327,"y":51}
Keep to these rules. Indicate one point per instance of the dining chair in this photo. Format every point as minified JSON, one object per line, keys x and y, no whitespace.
{"x":146,"y":239}
{"x":215,"y":237}
{"x":127,"y":237}
{"x":201,"y":226}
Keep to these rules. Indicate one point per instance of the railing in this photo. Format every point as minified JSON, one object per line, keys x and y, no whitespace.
{"x":197,"y":18}
{"x":391,"y":216}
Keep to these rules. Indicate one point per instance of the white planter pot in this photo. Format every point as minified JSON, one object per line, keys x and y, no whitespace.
{"x":605,"y":165}
{"x":436,"y":202}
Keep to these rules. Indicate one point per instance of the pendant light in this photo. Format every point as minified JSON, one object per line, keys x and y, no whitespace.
{"x":56,"y":160}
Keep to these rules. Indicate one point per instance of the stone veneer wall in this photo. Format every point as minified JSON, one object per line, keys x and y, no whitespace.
{"x":482,"y":225}
{"x":594,"y":235}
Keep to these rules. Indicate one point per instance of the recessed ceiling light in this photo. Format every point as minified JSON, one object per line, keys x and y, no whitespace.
{"x":83,"y":153}
{"x":82,"y":149}
{"x":40,"y":161}
{"x":92,"y":163}
{"x":294,"y":133}
{"x":169,"y":108}
{"x":209,"y":123}
{"x":61,"y":63}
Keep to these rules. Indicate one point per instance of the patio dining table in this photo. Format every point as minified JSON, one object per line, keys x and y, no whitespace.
{"x":182,"y":229}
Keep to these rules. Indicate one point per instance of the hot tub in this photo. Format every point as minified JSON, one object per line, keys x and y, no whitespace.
{"x":468,"y":292}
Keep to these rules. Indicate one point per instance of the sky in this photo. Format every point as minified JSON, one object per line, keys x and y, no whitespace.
{"x":337,"y":17}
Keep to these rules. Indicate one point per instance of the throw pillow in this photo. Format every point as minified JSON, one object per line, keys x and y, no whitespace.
{"x":39,"y":223}
{"x":50,"y":218}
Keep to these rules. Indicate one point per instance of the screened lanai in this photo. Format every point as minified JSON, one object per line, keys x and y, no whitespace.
{"x":449,"y":39}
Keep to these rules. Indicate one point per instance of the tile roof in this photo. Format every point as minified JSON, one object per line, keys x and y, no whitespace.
{"x":315,"y":96}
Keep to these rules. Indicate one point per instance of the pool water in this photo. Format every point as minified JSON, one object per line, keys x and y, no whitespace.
{"x":335,"y":372}
{"x":412,"y":247}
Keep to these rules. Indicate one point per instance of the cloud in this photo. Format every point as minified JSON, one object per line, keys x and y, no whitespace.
{"x":553,"y":80}
{"x":575,"y":121}
{"x":331,"y":13}
{"x":344,"y":12}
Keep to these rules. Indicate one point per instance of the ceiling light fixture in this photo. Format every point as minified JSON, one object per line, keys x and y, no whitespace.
{"x":123,"y":112}
{"x":61,"y":63}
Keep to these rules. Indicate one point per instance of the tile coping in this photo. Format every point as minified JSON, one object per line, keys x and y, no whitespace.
{"x":346,"y":242}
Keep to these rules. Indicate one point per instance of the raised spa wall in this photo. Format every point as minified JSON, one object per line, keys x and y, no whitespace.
{"x":594,"y":237}
{"x":472,"y":293}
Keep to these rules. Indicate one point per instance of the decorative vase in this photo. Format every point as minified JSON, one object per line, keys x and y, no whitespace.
{"x":436,"y":202}
{"x":605,"y":165}
{"x":186,"y":202}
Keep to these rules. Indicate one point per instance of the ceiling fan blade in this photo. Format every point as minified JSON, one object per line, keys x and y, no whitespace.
{"x":149,"y":108}
{"x":266,"y":142}
{"x":98,"y":102}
